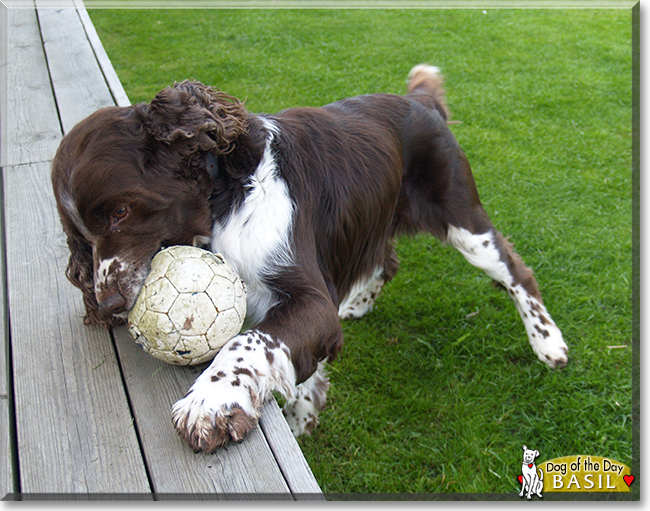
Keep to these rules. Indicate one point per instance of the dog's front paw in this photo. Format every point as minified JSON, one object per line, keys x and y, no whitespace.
{"x":209,"y":417}
{"x":225,"y":402}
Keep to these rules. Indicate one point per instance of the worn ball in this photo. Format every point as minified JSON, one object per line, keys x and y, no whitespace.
{"x":191,"y":304}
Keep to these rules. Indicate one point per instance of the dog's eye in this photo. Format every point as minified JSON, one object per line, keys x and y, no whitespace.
{"x":120,"y":213}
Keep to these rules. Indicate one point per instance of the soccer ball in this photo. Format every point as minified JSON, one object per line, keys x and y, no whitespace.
{"x":192,"y":303}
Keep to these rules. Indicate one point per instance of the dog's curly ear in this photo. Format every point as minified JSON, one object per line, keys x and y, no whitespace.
{"x":194,"y":117}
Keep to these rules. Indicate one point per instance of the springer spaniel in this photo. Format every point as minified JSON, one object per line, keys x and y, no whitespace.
{"x":304,"y":204}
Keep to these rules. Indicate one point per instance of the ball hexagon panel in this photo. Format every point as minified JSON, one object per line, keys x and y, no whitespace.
{"x":159,"y":265}
{"x":161,"y":295}
{"x":189,"y":275}
{"x":227,"y":324}
{"x":192,"y":313}
{"x":159,"y":330}
{"x":222,"y":292}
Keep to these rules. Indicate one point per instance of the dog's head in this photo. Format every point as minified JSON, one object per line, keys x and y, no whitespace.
{"x":530,"y":455}
{"x":129,"y":181}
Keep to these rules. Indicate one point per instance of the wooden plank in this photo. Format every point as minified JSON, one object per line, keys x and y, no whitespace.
{"x":6,"y":460}
{"x":6,"y":469}
{"x":3,"y":68}
{"x":69,"y":54}
{"x":32,"y":130}
{"x":4,"y":22}
{"x":154,"y":386}
{"x":6,"y":456}
{"x":74,"y":428}
{"x":290,"y":458}
{"x":114,"y":83}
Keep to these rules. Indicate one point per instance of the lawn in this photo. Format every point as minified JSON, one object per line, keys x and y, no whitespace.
{"x":437,"y":389}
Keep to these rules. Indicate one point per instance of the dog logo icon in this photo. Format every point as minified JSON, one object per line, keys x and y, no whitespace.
{"x":531,"y":478}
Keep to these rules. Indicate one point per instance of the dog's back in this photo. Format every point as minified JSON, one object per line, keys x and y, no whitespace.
{"x":396,"y":164}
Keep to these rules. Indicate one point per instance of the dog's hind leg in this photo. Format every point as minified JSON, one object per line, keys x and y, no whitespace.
{"x":362,"y":297}
{"x":363,"y":294}
{"x":490,"y":252}
{"x":302,"y":411}
{"x":439,"y":195}
{"x":442,"y":199}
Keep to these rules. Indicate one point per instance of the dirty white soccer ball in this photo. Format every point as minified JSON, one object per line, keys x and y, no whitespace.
{"x":192,"y":303}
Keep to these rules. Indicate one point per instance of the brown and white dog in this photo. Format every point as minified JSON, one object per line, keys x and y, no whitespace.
{"x":304,"y":204}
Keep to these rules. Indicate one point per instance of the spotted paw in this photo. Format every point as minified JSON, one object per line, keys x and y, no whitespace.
{"x":552,"y":350}
{"x":302,"y":412}
{"x":225,"y":401}
{"x":207,"y":421}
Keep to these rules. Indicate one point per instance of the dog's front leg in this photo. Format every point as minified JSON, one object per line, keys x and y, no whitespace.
{"x":530,"y":485}
{"x":224,"y":403}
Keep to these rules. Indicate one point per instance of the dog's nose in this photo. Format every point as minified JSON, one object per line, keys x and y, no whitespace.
{"x":112,"y":304}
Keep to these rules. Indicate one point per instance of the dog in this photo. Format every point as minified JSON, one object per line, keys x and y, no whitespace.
{"x":304,"y":204}
{"x":532,"y":480}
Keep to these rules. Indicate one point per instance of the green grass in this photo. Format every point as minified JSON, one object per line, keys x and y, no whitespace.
{"x":424,"y":397}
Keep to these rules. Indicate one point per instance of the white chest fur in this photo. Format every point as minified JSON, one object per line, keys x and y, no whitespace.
{"x":255,"y":238}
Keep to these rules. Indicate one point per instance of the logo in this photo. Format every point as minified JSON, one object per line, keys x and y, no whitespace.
{"x":531,"y":478}
{"x":572,"y":474}
{"x":586,"y":474}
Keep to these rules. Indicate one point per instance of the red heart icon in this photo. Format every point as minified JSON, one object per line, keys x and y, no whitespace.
{"x":628,"y":480}
{"x":521,"y":479}
{"x":530,"y":465}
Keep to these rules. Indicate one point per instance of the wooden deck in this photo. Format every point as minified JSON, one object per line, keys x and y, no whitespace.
{"x":84,"y":412}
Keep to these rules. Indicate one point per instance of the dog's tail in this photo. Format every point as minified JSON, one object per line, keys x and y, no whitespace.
{"x":425,"y":85}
